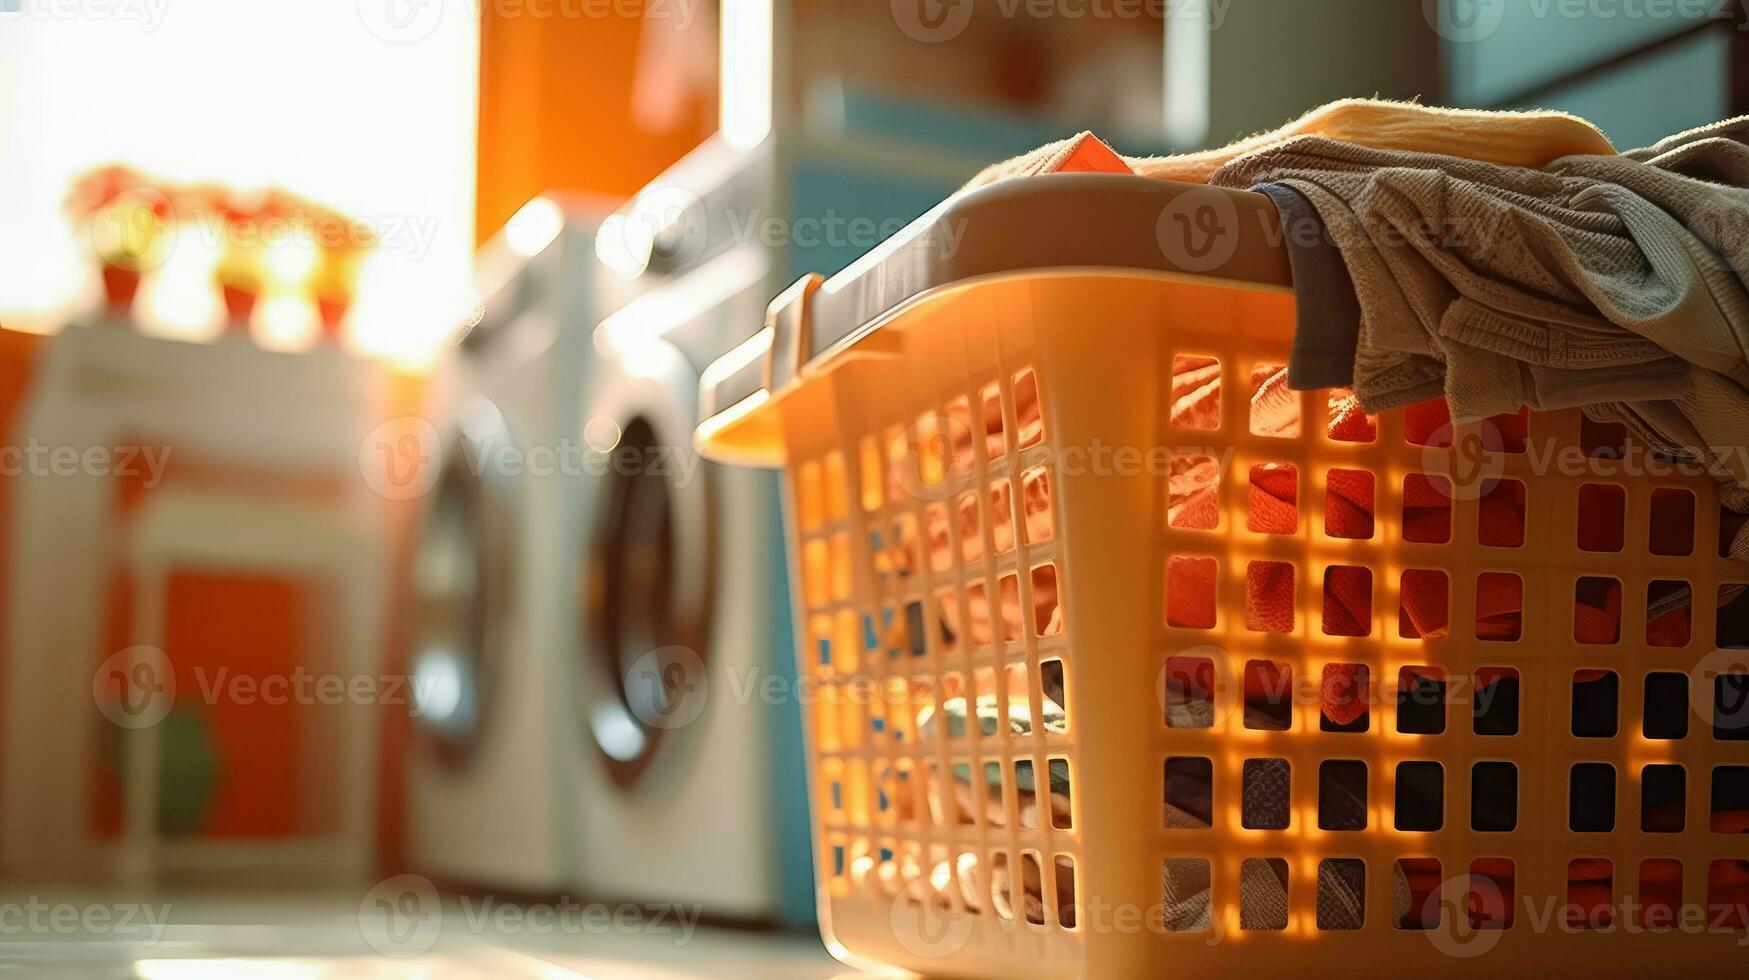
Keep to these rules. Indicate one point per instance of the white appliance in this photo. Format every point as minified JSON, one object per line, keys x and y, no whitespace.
{"x":690,"y":788}
{"x":499,"y":545}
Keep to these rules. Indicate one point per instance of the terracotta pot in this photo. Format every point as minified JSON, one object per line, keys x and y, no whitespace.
{"x":239,"y":305}
{"x":332,"y":310}
{"x":120,"y":285}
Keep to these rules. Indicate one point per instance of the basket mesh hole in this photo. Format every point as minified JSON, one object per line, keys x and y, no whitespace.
{"x":1500,"y":523}
{"x":1275,"y":408}
{"x":1263,"y":894}
{"x":838,"y":556}
{"x":939,"y":536}
{"x":1731,"y":524}
{"x":1274,"y":502}
{"x":1496,"y":708}
{"x":1186,"y":893}
{"x":1342,"y":795}
{"x":1196,"y":392}
{"x":1603,"y":511}
{"x":821,"y":629}
{"x":968,"y":524}
{"x":1341,"y":894}
{"x":1591,"y":798}
{"x":815,"y":573}
{"x":1047,"y":609}
{"x":1499,"y":607}
{"x":1426,"y":508}
{"x":1001,"y":517}
{"x":1029,"y":422}
{"x":1667,"y":706}
{"x":1416,"y":905}
{"x":1269,"y":702}
{"x":1269,"y":597}
{"x":1420,"y":803}
{"x":947,"y":616}
{"x":1489,"y":903}
{"x":1730,"y":802}
{"x":1347,"y":422}
{"x":990,"y":408}
{"x":1428,"y":423}
{"x":869,"y":454}
{"x":1189,"y":799}
{"x":1066,"y":891}
{"x":1013,"y":619}
{"x":1194,"y":493}
{"x":1343,"y":698}
{"x":1494,"y":797}
{"x":1350,"y":501}
{"x":995,"y":810}
{"x":1727,"y":893}
{"x":1597,"y":606}
{"x":1602,"y":440}
{"x":1039,"y":520}
{"x":1267,"y":789}
{"x":1672,"y":528}
{"x":960,"y":436}
{"x":1062,"y":790}
{"x":1421,"y":697}
{"x":1663,"y":799}
{"x":1590,"y":893}
{"x":1596,"y":702}
{"x":1053,"y":687}
{"x":1190,"y":698}
{"x":916,"y":630}
{"x":1347,"y":600}
{"x":1190,"y":592}
{"x":1660,"y":895}
{"x":1424,"y":604}
{"x":1026,"y":793}
{"x":907,"y":551}
{"x":810,"y":507}
{"x":1669,"y":613}
{"x":1733,"y":618}
{"x":1731,"y":707}
{"x":836,"y":487}
{"x":1507,"y":433}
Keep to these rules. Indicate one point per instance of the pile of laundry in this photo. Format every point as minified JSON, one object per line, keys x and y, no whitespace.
{"x":1504,"y":260}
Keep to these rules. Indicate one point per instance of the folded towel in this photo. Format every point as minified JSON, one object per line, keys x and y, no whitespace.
{"x":1520,"y":139}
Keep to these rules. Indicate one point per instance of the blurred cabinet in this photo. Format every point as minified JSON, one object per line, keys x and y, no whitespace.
{"x":194,"y":566}
{"x":583,"y":98}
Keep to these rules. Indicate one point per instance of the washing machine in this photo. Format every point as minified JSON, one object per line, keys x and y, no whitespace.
{"x":498,"y":544}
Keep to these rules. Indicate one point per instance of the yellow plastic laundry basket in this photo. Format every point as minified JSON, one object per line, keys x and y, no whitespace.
{"x":1121,"y":659}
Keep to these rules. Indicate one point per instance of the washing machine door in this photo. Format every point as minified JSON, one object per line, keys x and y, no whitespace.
{"x":461,"y":585}
{"x":648,"y":564}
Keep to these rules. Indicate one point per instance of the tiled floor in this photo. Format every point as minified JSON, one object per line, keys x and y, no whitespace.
{"x":71,"y":933}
